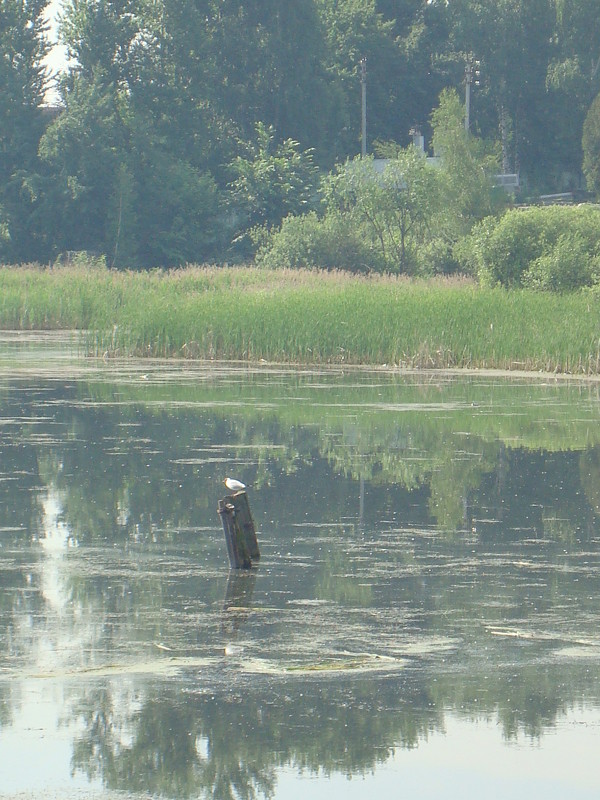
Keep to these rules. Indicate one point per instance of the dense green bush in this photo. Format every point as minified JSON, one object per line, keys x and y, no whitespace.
{"x":566,"y":266}
{"x":333,"y":242}
{"x":552,"y":248}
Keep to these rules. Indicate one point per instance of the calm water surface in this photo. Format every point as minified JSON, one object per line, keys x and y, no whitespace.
{"x":424,"y":621}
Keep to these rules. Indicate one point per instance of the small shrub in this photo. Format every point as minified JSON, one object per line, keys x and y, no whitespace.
{"x":81,"y":259}
{"x":435,"y":257}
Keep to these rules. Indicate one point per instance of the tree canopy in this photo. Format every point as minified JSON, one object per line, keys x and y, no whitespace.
{"x":164,"y":107}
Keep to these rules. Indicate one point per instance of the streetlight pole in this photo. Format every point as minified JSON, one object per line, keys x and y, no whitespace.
{"x":363,"y":86}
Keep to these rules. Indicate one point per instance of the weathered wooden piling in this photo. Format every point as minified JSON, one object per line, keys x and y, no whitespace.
{"x":239,"y":530}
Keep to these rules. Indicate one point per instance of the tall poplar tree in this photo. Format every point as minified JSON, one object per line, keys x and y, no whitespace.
{"x":271,"y":68}
{"x":591,"y":147}
{"x":573,"y":81}
{"x":23,"y":78}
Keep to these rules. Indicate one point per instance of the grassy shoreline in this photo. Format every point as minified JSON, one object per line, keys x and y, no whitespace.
{"x":306,"y":317}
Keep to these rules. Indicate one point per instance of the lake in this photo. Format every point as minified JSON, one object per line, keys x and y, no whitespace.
{"x":424,"y":619}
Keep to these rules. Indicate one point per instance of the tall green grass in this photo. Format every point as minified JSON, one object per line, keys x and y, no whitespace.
{"x":307,"y":317}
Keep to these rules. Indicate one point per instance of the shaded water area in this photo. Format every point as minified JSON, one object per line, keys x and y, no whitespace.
{"x":424,"y":621}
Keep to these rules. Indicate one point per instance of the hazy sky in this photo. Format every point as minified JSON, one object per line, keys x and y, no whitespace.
{"x":57,"y":57}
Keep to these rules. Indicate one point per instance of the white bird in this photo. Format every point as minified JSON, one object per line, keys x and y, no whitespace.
{"x":233,"y":485}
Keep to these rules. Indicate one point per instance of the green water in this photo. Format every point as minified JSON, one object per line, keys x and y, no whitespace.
{"x":424,"y":619}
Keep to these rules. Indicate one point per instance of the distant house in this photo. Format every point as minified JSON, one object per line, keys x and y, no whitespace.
{"x":50,"y":111}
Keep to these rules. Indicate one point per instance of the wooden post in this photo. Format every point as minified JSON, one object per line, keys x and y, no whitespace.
{"x":238,"y":527}
{"x":244,"y":516}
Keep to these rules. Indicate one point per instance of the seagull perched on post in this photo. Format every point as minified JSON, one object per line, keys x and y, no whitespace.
{"x":233,"y":485}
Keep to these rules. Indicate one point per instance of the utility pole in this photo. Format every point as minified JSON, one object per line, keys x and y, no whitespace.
{"x":468,"y":79}
{"x":472,"y":76}
{"x":363,"y":86}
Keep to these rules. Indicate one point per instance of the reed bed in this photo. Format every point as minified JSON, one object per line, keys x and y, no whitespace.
{"x":302,"y":316}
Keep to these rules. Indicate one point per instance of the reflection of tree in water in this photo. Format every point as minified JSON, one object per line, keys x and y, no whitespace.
{"x":145,"y":472}
{"x":227,"y":743}
{"x":589,"y":469}
{"x":525,"y":702}
{"x":20,"y":507}
{"x":153,"y":750}
{"x":452,"y":482}
{"x":536,"y":493}
{"x":530,"y":704}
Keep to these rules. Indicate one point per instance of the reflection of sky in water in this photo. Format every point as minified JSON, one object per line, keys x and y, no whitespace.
{"x":66,"y":631}
{"x":55,"y":541}
{"x":35,"y":751}
{"x":470,"y":760}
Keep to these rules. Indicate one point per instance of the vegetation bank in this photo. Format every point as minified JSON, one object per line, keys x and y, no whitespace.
{"x":307,"y":316}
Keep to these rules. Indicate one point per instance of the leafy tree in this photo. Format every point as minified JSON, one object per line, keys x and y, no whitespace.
{"x":467,"y":166}
{"x":578,"y":40}
{"x":83,"y":149}
{"x":513,"y":39}
{"x":170,"y":92}
{"x":271,"y":181}
{"x":417,"y":74}
{"x":175,"y":83}
{"x":407,"y":215}
{"x":540,"y":62}
{"x":102,"y":36}
{"x":572,"y":81}
{"x":372,"y":221}
{"x":119,"y":190}
{"x":22,"y":87}
{"x":122,"y":184}
{"x":355,"y":30}
{"x":391,"y":208}
{"x":87,"y":148}
{"x":176,"y":207}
